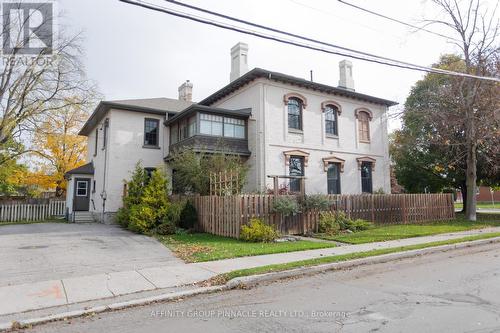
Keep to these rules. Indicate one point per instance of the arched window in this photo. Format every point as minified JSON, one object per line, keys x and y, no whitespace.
{"x":364,"y":125}
{"x":295,"y":113}
{"x":331,"y":126}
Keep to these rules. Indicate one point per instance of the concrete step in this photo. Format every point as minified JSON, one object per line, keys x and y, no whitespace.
{"x":83,"y":217}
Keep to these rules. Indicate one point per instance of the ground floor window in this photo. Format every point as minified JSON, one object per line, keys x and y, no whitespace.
{"x":296,"y":168}
{"x":333,"y":178}
{"x":149,"y":172}
{"x":366,"y":177}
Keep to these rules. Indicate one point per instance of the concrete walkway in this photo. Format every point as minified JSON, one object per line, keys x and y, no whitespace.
{"x":45,"y":294}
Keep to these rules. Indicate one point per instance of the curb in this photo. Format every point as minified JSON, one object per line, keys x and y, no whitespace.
{"x":250,"y":281}
{"x":247,"y":282}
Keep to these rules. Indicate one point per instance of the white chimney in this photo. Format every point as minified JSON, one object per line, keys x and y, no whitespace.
{"x":345,"y":75}
{"x":239,"y":61}
{"x":186,"y":91}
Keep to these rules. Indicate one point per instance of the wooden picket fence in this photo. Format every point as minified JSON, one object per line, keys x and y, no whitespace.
{"x":16,"y":211}
{"x":224,"y":215}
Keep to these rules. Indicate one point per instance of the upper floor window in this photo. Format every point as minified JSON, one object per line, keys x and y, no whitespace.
{"x":211,"y":124}
{"x":295,"y":113}
{"x":364,"y":118}
{"x":234,"y":128}
{"x":222,"y":126}
{"x":192,"y":126}
{"x":151,"y":132}
{"x":174,"y":134}
{"x":331,"y":121}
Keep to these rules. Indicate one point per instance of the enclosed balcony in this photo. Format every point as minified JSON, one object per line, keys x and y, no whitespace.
{"x":207,"y":129}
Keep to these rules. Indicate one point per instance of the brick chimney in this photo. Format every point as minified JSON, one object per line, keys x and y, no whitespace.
{"x":186,"y":91}
{"x":345,"y":75}
{"x":239,"y":61}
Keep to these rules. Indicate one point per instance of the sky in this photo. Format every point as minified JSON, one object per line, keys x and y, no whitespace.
{"x":132,"y":52}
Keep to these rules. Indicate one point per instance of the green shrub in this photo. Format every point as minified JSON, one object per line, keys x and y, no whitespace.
{"x":142,"y":219}
{"x":328,"y":223}
{"x":166,"y":228}
{"x":359,"y":225}
{"x":258,"y":231}
{"x":333,"y":222}
{"x":286,"y":205}
{"x":122,"y":217}
{"x":343,"y":220}
{"x":189,"y":216}
{"x":146,"y":205}
{"x":316,"y":202}
{"x":174,"y":213}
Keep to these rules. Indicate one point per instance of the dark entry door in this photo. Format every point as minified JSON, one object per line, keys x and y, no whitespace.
{"x":81,"y":197}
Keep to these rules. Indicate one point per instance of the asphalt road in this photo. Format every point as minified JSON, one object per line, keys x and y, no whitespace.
{"x":457,"y":291}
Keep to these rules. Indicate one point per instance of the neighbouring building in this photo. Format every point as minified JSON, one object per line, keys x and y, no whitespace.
{"x":279,"y":124}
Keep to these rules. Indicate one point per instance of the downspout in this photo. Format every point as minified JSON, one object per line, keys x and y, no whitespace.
{"x":105,"y":145}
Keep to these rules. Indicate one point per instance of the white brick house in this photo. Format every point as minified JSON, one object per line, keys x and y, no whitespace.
{"x":282,"y":125}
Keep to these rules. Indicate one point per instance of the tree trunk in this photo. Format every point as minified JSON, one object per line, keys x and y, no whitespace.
{"x":463,"y":189}
{"x":471,"y":174}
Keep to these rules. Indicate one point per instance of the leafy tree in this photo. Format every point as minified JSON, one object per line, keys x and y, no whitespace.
{"x":11,"y":177}
{"x":192,"y":170}
{"x":57,"y":141}
{"x":474,"y":102}
{"x":34,"y":88}
{"x":430,"y":150}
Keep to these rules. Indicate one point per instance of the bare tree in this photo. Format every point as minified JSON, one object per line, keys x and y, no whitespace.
{"x":32,"y":86}
{"x":477,"y":29}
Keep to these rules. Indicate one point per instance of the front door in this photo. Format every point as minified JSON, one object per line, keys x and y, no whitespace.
{"x":81,"y":198}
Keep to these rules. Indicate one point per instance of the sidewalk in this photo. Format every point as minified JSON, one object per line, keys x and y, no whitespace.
{"x":46,"y":294}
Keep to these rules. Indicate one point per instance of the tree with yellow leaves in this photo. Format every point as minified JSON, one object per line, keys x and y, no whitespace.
{"x":61,"y":149}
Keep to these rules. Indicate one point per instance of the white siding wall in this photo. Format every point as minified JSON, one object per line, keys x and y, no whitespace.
{"x":123,"y":150}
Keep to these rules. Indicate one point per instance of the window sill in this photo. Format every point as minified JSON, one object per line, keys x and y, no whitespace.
{"x":151,"y":147}
{"x":364,"y":141}
{"x":332,"y":136}
{"x":295,"y":131}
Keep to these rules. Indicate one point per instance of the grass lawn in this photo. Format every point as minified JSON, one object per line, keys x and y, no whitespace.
{"x":205,"y":247}
{"x":34,"y":222}
{"x":223,"y":278}
{"x":486,"y":205}
{"x":398,"y":231}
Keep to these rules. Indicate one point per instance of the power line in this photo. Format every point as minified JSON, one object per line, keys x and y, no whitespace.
{"x":260,"y":26}
{"x":226,"y":26}
{"x":423,"y":68}
{"x":398,"y":21}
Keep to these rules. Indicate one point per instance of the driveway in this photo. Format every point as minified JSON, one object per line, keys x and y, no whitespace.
{"x":48,"y":251}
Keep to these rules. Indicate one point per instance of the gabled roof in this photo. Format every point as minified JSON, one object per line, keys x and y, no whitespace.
{"x":280,"y":77}
{"x":86,"y":169}
{"x":160,"y":106}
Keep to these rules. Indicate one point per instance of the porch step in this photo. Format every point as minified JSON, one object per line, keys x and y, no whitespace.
{"x":83,"y":217}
